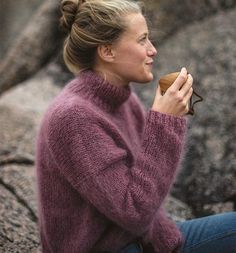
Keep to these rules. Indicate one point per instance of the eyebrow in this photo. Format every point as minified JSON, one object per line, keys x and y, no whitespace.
{"x":144,"y":34}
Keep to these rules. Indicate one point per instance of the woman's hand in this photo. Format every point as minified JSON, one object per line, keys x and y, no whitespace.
{"x":176,"y":98}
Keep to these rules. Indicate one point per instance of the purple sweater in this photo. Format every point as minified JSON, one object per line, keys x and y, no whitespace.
{"x":104,"y":169}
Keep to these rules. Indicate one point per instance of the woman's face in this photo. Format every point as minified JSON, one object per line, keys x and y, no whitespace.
{"x":133,"y":52}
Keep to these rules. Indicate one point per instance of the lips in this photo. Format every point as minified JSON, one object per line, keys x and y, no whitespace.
{"x":149,"y":65}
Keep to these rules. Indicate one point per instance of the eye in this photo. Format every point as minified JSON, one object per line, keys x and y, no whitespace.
{"x":143,"y":40}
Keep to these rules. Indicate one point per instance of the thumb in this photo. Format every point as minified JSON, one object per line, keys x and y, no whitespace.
{"x":158,"y":91}
{"x":157,"y":98}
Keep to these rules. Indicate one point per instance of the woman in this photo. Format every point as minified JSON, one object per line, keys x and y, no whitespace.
{"x":104,"y":166}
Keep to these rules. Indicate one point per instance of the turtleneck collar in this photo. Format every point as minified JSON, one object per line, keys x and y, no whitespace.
{"x":89,"y":83}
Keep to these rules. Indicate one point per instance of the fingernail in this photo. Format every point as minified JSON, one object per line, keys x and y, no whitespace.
{"x":183,"y":68}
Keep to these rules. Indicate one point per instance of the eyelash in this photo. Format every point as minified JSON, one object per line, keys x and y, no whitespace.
{"x":144,"y":39}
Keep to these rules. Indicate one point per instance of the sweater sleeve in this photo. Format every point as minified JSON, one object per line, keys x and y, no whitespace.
{"x":93,"y":158}
{"x":163,"y":234}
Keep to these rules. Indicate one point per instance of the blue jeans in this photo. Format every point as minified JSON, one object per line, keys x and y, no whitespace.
{"x":131,"y":248}
{"x":211,"y":234}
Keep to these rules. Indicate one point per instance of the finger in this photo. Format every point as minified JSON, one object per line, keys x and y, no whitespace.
{"x":188,"y":95}
{"x":187,"y":99}
{"x":186,"y":87}
{"x":180,"y":80}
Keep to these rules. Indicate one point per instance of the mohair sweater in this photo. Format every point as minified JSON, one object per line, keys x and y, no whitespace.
{"x":104,"y":168}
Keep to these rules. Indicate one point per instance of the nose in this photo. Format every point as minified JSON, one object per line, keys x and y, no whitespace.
{"x":151,"y":50}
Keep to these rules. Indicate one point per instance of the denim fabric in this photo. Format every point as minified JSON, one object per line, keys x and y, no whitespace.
{"x":132,"y":248}
{"x":211,"y":234}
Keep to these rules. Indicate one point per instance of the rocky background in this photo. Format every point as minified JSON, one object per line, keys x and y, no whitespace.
{"x":197,"y":34}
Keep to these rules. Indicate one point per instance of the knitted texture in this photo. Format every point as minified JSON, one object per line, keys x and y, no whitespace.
{"x":104,"y":168}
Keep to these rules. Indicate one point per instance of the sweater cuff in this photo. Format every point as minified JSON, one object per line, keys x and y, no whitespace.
{"x":164,"y":235}
{"x":163,"y":129}
{"x":154,"y":117}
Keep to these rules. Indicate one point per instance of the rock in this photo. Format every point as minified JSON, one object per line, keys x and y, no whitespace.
{"x":30,"y":52}
{"x":18,"y":232}
{"x":13,"y":20}
{"x":21,"y":110}
{"x":208,"y":51}
{"x":168,"y":16}
{"x":33,"y":96}
{"x":178,"y":211}
{"x":17,"y":132}
{"x":20,"y":180}
{"x":219,"y":207}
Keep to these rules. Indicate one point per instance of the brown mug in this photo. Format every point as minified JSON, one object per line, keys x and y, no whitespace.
{"x":166,"y":81}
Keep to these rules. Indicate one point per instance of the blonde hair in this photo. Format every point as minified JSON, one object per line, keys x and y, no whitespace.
{"x":92,"y":23}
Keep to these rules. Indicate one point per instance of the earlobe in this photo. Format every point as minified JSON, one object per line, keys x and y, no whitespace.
{"x":106,"y":53}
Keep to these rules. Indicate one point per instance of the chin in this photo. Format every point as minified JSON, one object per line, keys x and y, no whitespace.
{"x":145,"y":78}
{"x":149,"y":77}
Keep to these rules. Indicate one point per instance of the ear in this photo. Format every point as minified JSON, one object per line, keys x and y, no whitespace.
{"x":106,"y":53}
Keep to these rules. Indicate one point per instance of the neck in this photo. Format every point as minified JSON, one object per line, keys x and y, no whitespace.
{"x":111,"y":77}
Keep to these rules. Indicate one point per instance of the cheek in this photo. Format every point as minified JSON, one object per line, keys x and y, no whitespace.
{"x":134,"y":54}
{"x":139,"y":55}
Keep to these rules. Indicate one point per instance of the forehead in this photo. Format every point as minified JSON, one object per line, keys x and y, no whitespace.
{"x":137,"y":25}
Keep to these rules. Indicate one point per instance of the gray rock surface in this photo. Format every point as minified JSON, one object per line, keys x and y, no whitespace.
{"x":208,"y":51}
{"x":14,"y":16}
{"x":18,"y":233}
{"x":20,"y":181}
{"x":177,"y":210}
{"x":20,"y":112}
{"x":30,"y":53}
{"x":168,"y":16}
{"x":17,"y":133}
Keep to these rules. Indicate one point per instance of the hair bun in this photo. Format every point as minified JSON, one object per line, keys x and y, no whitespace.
{"x":69,"y":9}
